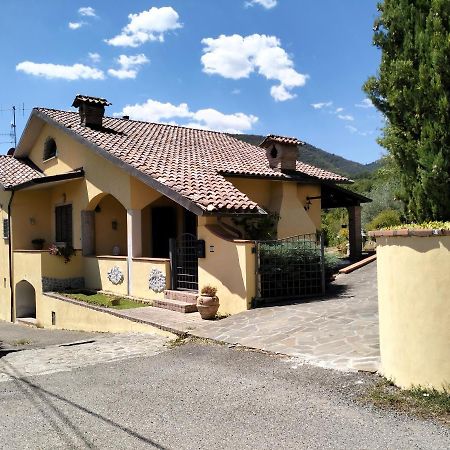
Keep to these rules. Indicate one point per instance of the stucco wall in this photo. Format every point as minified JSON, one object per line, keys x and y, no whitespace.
{"x":96,"y":273}
{"x":230,"y":267}
{"x":414,"y":307}
{"x":106,"y":237}
{"x":286,"y":199}
{"x":71,"y":316}
{"x":141,"y":273}
{"x":5,"y":308}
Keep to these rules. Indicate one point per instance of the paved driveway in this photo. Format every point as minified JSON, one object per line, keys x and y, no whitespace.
{"x":339,"y":332}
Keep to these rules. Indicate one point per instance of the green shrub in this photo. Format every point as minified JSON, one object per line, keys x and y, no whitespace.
{"x":386,"y":218}
{"x":286,"y":265}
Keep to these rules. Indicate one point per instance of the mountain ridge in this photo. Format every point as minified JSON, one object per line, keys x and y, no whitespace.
{"x":315,"y":156}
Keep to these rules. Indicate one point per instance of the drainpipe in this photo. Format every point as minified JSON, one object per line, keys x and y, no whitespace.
{"x":10,"y":256}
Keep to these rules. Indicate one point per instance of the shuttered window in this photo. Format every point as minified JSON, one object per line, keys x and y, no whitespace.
{"x":63,"y":217}
{"x":5,"y":228}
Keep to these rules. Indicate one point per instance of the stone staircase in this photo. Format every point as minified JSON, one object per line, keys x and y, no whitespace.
{"x":180,"y":301}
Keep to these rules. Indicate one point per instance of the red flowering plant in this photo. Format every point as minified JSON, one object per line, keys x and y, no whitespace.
{"x":66,"y":251}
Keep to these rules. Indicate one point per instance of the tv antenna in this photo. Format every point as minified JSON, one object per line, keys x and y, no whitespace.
{"x":13,"y":129}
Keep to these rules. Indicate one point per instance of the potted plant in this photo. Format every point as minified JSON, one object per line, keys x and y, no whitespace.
{"x":207,"y":302}
{"x":38,"y":244}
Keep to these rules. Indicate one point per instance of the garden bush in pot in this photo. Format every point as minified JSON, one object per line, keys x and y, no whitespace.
{"x":207,"y":302}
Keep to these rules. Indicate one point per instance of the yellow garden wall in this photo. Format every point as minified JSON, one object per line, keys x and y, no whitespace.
{"x":96,"y":273}
{"x":141,"y":268}
{"x":70,"y":316}
{"x":414,"y":308}
{"x":230,"y":268}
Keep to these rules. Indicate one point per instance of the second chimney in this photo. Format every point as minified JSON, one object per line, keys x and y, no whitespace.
{"x":91,"y":110}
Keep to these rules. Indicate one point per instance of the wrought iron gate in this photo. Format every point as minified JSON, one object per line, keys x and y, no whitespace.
{"x":290,"y":268}
{"x":184,"y":263}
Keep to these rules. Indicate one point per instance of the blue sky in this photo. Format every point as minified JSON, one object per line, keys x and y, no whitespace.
{"x":290,"y":67}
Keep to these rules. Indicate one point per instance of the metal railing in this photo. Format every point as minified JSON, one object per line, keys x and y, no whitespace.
{"x":290,"y":268}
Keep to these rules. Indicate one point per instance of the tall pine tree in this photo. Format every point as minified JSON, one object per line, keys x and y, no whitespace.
{"x":412,"y":90}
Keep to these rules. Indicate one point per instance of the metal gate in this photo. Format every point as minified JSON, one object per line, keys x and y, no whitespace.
{"x":184,"y":263}
{"x":290,"y":268}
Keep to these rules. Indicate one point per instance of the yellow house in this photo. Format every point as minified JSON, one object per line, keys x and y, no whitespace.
{"x":126,"y":195}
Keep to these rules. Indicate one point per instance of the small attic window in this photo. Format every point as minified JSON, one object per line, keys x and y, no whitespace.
{"x":273,"y":152}
{"x":49,"y":148}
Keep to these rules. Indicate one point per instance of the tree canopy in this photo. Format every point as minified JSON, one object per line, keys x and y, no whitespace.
{"x":412,"y":90}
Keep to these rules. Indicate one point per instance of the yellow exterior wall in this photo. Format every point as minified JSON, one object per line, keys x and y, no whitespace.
{"x":230,"y":268}
{"x":315,"y":209}
{"x":414,"y":308}
{"x":286,"y":199}
{"x":294,"y":220}
{"x":105,"y":236}
{"x":31,"y":218}
{"x":96,"y":273}
{"x":5,"y":303}
{"x":141,"y":272}
{"x":70,"y":316}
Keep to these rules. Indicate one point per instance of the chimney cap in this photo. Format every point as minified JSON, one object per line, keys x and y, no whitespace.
{"x":126,"y":117}
{"x":79,"y":99}
{"x":271,"y":138}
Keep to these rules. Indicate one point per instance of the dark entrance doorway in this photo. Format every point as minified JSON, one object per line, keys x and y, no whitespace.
{"x":184,"y":263}
{"x":164,"y":228}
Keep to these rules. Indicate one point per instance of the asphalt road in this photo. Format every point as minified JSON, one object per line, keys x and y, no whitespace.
{"x":201,"y":396}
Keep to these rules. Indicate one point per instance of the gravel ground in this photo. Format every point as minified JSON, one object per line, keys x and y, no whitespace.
{"x":200,"y":396}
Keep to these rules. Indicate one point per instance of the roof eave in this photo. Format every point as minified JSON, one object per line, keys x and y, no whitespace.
{"x":148,"y":180}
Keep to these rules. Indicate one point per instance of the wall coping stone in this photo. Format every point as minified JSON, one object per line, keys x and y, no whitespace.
{"x":409,"y":232}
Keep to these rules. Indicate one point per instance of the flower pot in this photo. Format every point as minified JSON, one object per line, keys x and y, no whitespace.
{"x":207,"y":306}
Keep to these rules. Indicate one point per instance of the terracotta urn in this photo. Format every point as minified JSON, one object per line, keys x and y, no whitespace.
{"x":207,"y":306}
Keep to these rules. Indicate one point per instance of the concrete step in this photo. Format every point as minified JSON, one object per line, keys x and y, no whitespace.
{"x":29,"y":321}
{"x":175,"y":305}
{"x":181,"y":296}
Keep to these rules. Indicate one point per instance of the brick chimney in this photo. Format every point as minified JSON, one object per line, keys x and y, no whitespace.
{"x":91,"y":110}
{"x":281,"y":152}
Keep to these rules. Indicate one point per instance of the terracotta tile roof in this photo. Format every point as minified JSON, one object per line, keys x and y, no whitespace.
{"x":281,"y":139}
{"x":191,"y":162}
{"x":15,"y":171}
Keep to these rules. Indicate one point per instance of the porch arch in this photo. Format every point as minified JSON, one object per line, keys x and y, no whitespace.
{"x":25,"y":300}
{"x":104,"y":226}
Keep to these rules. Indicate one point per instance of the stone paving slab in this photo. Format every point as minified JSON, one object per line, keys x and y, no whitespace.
{"x":65,"y":357}
{"x":170,"y":320}
{"x":338,"y":332}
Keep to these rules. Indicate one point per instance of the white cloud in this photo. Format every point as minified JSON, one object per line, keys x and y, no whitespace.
{"x":366,"y":103}
{"x":94,"y":57}
{"x":321,"y":105}
{"x":268,"y":4}
{"x":346,"y":117}
{"x":146,"y":26}
{"x":76,"y":25}
{"x":351,"y":128}
{"x":87,"y":11}
{"x":339,"y":110}
{"x":52,"y":71}
{"x":237,"y":57}
{"x":129,"y":66}
{"x":210,"y":119}
{"x":236,"y":91}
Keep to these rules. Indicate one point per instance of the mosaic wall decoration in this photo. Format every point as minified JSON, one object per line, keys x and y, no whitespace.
{"x":115,"y":275}
{"x":157,"y":281}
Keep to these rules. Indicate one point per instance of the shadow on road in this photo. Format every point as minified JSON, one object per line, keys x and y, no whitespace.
{"x":41,"y":397}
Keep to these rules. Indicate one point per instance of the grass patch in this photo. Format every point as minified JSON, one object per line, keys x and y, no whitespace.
{"x":425,"y":403}
{"x":22,"y":342}
{"x":105,"y":300}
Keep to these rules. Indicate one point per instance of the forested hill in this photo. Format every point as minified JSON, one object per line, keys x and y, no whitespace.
{"x":320,"y":158}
